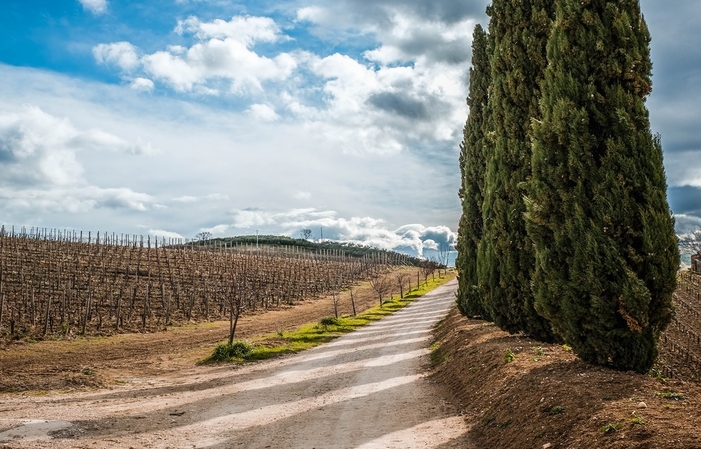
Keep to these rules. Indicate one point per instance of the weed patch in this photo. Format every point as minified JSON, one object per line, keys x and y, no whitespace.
{"x":225,"y":352}
{"x":611,"y":427}
{"x":509,"y":356}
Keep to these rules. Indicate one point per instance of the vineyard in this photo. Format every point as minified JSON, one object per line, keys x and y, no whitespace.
{"x":680,"y":345}
{"x":56,"y":282}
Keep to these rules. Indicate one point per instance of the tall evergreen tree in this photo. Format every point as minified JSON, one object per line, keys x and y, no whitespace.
{"x":472,"y":167}
{"x":519,"y":29}
{"x":597,"y":209}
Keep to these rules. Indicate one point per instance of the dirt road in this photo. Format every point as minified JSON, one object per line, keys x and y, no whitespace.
{"x":364,"y":390}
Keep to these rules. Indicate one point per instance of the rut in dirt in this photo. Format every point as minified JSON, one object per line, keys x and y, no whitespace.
{"x":365,"y":390}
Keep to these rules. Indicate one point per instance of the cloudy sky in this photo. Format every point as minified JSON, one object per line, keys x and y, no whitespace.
{"x":171,"y":117}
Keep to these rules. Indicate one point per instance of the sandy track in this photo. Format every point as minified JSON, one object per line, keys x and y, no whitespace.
{"x":364,"y":390}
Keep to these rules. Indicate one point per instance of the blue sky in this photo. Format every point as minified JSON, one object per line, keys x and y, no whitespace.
{"x":171,"y":117}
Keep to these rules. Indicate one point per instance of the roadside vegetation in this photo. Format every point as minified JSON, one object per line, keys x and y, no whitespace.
{"x":314,"y":334}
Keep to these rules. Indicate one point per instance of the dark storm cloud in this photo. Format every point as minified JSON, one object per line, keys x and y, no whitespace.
{"x":676,"y":55}
{"x":399,"y":104}
{"x":685,"y":200}
{"x":6,"y":156}
{"x":449,"y":11}
{"x":436,"y":48}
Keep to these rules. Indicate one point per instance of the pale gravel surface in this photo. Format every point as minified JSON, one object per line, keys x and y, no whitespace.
{"x":367,"y":389}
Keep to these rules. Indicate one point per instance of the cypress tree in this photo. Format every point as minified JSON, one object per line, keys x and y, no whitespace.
{"x":472,"y":167}
{"x":606,"y":253}
{"x":506,"y":261}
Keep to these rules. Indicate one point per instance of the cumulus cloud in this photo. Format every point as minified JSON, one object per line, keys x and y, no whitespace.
{"x":38,"y":158}
{"x":142,"y":84}
{"x":94,"y":6}
{"x":72,"y":199}
{"x":160,"y":233}
{"x":408,"y":89}
{"x":223,"y":51}
{"x":244,"y":29}
{"x":122,"y":54}
{"x":263,"y":112}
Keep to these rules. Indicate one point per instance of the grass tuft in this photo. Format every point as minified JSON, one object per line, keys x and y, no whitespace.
{"x":225,"y":352}
{"x":611,"y":427}
{"x":509,"y":356}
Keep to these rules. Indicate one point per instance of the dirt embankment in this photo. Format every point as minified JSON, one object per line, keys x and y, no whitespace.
{"x":547,"y":398}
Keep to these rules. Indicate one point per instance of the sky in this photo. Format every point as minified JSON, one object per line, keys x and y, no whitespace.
{"x":173,"y":117}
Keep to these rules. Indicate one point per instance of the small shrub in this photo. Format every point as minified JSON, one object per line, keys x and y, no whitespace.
{"x":329,"y":321}
{"x":539,"y":351}
{"x":556,"y":410}
{"x":611,"y":427}
{"x":509,"y":356}
{"x":224,"y":351}
{"x":656,"y":373}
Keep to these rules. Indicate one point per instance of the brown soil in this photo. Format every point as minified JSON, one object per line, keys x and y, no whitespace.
{"x":547,"y":398}
{"x":36,"y":367}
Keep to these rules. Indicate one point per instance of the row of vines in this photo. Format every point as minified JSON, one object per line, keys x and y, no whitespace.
{"x":59,"y":282}
{"x":680,"y":345}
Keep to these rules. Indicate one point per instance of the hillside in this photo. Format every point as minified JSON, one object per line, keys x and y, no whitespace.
{"x":281,"y":241}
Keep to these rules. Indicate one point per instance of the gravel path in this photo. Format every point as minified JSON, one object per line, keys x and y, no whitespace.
{"x":364,"y":390}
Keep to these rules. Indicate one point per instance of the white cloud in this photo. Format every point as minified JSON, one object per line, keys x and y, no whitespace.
{"x":263,"y":112}
{"x":122,"y":54}
{"x":73,"y":199}
{"x":246,"y":30}
{"x":160,"y":233}
{"x":41,"y":170}
{"x":683,"y":168}
{"x":223,"y":51}
{"x":217,"y":197}
{"x":226,"y":59}
{"x":408,"y":90}
{"x":218,"y":230}
{"x":214,"y":151}
{"x":142,"y":84}
{"x":94,"y":6}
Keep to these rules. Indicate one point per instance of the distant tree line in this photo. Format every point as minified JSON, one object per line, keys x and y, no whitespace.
{"x":566,"y":233}
{"x":340,"y":248}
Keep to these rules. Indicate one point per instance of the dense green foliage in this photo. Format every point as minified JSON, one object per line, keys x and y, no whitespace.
{"x":472,"y":166}
{"x":606,"y":253}
{"x":519,"y":32}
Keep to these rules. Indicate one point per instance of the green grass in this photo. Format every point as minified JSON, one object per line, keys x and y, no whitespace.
{"x":671,"y":395}
{"x":509,"y":356}
{"x":314,"y":334}
{"x":611,"y":427}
